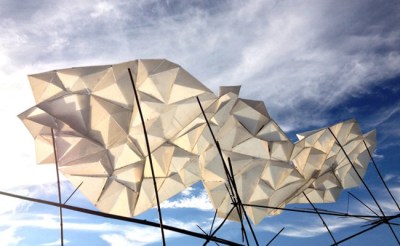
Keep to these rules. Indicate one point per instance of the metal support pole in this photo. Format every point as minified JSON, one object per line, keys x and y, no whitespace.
{"x":219,"y":227}
{"x":149,"y":155}
{"x":322,"y":219}
{"x":232,"y":184}
{"x":73,"y":193}
{"x":380,"y":176}
{"x":276,"y":235}
{"x":332,"y":213}
{"x":121,"y":218}
{"x":241,"y":207}
{"x":58,"y":187}
{"x":365,"y":205}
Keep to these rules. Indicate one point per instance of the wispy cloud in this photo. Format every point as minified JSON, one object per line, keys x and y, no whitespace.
{"x":299,"y":64}
{"x":9,"y":237}
{"x":11,"y":205}
{"x":56,"y":243}
{"x":188,"y":191}
{"x":307,"y":227}
{"x":200,"y":201}
{"x":140,"y":235}
{"x":113,"y":233}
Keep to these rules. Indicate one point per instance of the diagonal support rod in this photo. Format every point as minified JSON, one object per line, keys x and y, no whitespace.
{"x":205,"y":233}
{"x":231,"y":182}
{"x":121,"y":218}
{"x":332,"y":213}
{"x":356,"y":234}
{"x":240,"y":204}
{"x":212,"y":224}
{"x":380,"y":176}
{"x":322,"y":219}
{"x":276,"y":235}
{"x":236,"y":201}
{"x":149,"y":155}
{"x":219,"y":227}
{"x":370,"y":209}
{"x":217,"y":145}
{"x":58,"y":187}
{"x":73,"y":193}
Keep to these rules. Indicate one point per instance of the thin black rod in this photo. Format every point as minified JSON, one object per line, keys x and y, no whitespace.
{"x":363,"y":182}
{"x":212,"y":224}
{"x":240,"y":202}
{"x":217,"y":145}
{"x":370,"y":209}
{"x":121,"y":218}
{"x":379,"y":221}
{"x":205,"y":118}
{"x":229,"y":178}
{"x":73,"y":193}
{"x":58,"y":186}
{"x":276,"y":235}
{"x":322,"y":219}
{"x":244,"y":232}
{"x":380,"y":176}
{"x":344,"y":215}
{"x":233,"y":200}
{"x":356,"y":234}
{"x":201,"y":229}
{"x":205,"y":232}
{"x":231,"y":181}
{"x":332,"y":213}
{"x":237,"y":203}
{"x":149,"y":155}
{"x":219,"y":227}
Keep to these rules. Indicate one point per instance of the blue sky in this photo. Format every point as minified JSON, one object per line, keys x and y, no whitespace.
{"x":313,"y":63}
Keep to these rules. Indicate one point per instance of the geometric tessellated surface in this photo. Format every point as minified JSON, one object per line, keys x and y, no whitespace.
{"x":100,"y":143}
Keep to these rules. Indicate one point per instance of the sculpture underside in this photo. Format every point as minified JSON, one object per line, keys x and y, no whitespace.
{"x":100,"y":143}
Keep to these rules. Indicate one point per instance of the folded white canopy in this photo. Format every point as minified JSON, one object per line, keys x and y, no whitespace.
{"x":99,"y":141}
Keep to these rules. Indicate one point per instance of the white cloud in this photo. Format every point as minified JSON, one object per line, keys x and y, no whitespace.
{"x":377,"y":156}
{"x":8,"y":236}
{"x":387,"y":113}
{"x":136,"y":236}
{"x":118,"y":240}
{"x":300,"y":64}
{"x":10,"y":205}
{"x":145,"y":235}
{"x":389,"y":176}
{"x":200,"y":201}
{"x":101,"y":9}
{"x":116,"y":233}
{"x":188,"y":191}
{"x":56,"y":243}
{"x":311,"y":227}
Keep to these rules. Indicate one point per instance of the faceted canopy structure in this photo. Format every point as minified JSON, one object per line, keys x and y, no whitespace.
{"x":100,"y":143}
